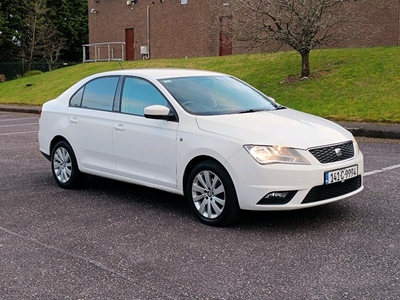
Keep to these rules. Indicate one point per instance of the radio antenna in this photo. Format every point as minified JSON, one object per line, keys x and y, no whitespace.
{"x":120,"y":65}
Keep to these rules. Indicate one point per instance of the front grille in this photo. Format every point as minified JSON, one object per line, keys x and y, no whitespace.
{"x":324,"y":192}
{"x":333,"y":153}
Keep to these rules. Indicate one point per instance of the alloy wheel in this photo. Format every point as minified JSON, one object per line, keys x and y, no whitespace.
{"x":208,"y":194}
{"x":62,"y":165}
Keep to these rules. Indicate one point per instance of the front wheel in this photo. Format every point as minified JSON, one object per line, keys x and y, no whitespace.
{"x":212,"y":195}
{"x":64,"y":166}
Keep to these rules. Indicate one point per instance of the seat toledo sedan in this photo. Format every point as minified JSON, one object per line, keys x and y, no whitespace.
{"x":208,"y":136}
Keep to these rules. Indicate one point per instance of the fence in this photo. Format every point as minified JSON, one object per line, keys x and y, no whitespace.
{"x":13,"y":70}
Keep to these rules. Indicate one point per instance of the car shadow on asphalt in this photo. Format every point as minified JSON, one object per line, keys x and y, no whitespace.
{"x":121,"y":191}
{"x":315,"y":217}
{"x":311,"y":218}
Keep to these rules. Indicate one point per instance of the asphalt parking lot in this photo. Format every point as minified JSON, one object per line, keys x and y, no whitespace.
{"x":112,"y":240}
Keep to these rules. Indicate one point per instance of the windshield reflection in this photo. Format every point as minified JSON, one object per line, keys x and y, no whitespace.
{"x":217,"y":95}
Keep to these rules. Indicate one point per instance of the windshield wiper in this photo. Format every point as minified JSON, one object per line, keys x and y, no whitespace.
{"x":280,"y":107}
{"x":251,"y":110}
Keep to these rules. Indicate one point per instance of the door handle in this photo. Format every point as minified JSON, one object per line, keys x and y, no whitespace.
{"x":119,"y":127}
{"x":74,"y":120}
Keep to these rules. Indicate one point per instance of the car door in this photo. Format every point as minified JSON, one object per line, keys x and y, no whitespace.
{"x":144,"y":149}
{"x":91,"y":124}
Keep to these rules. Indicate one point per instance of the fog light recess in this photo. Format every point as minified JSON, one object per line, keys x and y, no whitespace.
{"x":277,"y":198}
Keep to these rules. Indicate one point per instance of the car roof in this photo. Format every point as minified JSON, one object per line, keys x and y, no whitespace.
{"x":161,"y":73}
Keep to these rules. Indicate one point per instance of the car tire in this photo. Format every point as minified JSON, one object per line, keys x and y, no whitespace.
{"x":211,"y":194}
{"x":65,"y":168}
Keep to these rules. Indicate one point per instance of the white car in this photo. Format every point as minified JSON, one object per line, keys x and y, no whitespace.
{"x":208,"y":136}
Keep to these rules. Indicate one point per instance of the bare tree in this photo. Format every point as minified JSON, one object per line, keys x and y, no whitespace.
{"x":300,"y":24}
{"x":51,"y":46}
{"x":41,"y":41}
{"x":35,"y":23}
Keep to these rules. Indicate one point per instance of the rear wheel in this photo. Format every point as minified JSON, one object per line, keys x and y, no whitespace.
{"x":64,"y":166}
{"x":212,"y":195}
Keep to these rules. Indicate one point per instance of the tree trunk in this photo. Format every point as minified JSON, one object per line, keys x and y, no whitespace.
{"x":305,"y":64}
{"x":32,"y":47}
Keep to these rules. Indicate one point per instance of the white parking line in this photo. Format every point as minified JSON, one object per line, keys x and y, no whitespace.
{"x":21,"y":132}
{"x":381,"y":170}
{"x":14,"y":125}
{"x":18,"y":119}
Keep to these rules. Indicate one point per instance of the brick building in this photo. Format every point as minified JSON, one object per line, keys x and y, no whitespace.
{"x":138,"y":29}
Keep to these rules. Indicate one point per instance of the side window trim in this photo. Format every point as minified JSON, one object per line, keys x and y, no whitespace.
{"x":118,"y":94}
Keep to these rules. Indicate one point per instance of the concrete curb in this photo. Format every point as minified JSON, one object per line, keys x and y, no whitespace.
{"x":21,"y":109}
{"x":379,"y":134}
{"x":371,"y":130}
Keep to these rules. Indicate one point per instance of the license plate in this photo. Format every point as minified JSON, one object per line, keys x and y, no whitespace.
{"x":341,"y":174}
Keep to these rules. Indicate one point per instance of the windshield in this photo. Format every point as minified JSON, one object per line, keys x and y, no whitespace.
{"x":217,"y":95}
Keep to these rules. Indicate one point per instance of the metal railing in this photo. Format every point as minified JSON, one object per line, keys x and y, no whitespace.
{"x":103,"y":51}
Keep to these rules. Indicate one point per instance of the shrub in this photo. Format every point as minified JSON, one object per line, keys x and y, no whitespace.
{"x":32,"y":72}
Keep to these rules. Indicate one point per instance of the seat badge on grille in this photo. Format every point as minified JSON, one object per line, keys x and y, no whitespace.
{"x":338,"y":152}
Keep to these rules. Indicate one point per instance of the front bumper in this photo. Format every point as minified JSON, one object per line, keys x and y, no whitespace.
{"x":254,"y":181}
{"x":47,"y":156}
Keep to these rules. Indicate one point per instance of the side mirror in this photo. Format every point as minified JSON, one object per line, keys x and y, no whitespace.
{"x":159,"y":112}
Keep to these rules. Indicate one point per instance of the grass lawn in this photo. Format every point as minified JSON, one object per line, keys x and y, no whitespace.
{"x":359,"y":84}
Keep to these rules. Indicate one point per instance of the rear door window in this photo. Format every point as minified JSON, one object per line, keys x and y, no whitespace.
{"x":97,"y":94}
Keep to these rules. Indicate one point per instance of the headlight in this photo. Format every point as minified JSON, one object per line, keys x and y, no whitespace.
{"x":275,"y":154}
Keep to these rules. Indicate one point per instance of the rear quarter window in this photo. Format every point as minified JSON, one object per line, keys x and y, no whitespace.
{"x":76,"y":99}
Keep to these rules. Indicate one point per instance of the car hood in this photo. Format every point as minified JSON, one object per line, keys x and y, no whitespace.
{"x":286,"y":127}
